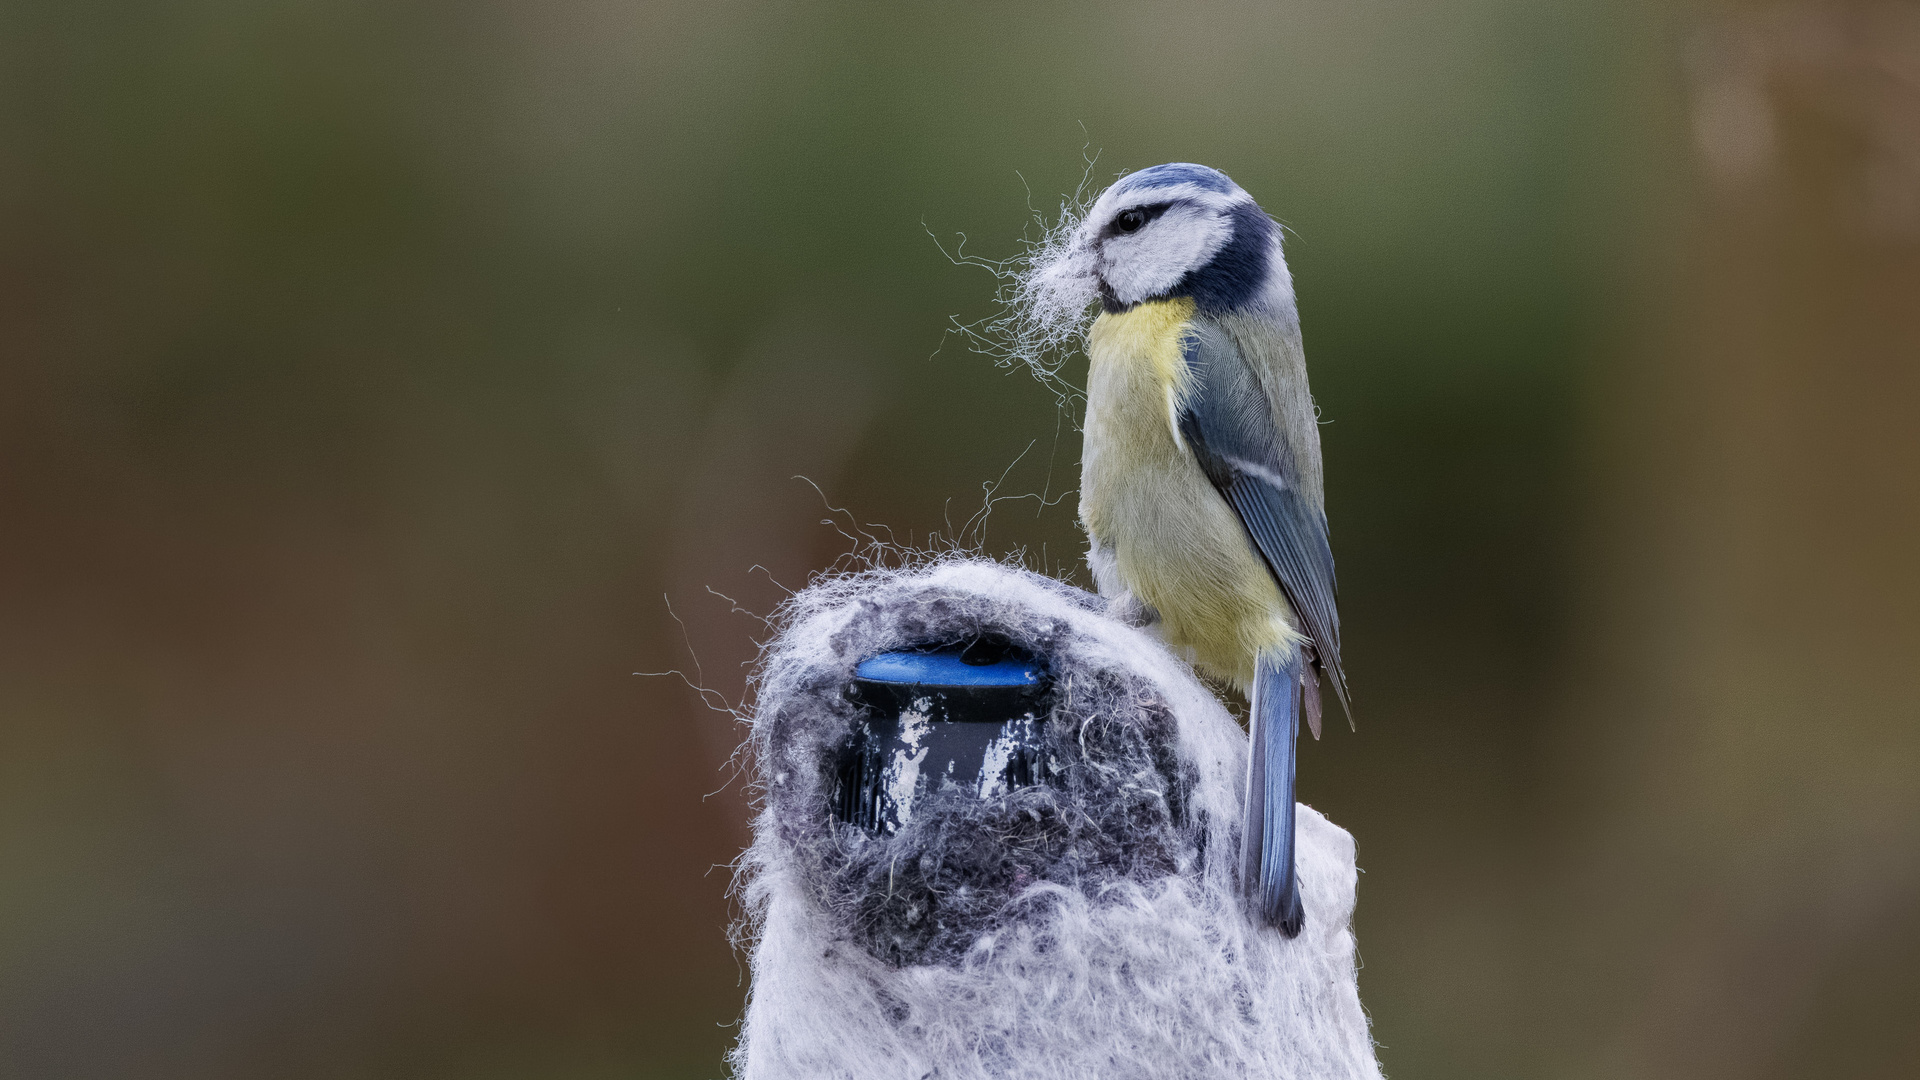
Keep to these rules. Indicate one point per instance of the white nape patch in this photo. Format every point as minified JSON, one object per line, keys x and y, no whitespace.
{"x":1075,"y":973}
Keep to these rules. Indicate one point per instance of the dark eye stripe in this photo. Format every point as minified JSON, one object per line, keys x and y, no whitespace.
{"x":1151,"y":212}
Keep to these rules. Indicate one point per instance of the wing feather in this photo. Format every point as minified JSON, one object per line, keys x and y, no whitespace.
{"x":1227,"y":422}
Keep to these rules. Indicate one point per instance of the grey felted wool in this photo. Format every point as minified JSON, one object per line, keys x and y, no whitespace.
{"x":1091,"y":928}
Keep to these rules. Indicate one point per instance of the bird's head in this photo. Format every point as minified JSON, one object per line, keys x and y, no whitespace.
{"x":1169,"y":231}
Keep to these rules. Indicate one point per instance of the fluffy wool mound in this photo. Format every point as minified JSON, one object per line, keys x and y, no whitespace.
{"x":1089,"y":928}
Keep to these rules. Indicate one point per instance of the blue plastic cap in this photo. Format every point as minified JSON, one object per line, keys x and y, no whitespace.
{"x":945,"y":668}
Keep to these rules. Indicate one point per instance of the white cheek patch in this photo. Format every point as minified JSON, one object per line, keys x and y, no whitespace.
{"x":1154,"y":260}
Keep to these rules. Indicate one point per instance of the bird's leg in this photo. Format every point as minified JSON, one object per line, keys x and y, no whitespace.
{"x":1122,"y":604}
{"x":1133,"y":611}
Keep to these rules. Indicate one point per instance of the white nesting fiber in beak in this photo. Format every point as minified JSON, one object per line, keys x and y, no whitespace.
{"x":1057,"y":289}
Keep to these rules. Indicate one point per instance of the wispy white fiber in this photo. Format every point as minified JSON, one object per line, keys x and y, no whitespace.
{"x":1045,"y":298}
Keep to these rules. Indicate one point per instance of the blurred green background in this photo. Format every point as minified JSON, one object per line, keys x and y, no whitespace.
{"x":379,"y":382}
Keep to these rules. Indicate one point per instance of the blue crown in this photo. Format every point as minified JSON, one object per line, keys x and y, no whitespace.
{"x":1178,"y":172}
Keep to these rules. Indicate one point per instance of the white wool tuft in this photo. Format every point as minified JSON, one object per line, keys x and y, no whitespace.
{"x":1046,"y":299}
{"x":1108,"y":940}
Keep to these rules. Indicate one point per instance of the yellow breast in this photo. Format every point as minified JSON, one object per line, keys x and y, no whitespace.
{"x":1176,"y":544}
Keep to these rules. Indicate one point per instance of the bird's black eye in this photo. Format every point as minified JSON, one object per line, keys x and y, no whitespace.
{"x":1130,"y":221}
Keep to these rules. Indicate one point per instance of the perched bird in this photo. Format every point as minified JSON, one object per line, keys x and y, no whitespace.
{"x":1200,"y":484}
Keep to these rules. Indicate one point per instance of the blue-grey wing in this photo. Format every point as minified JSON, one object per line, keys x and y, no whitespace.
{"x":1228,"y":423}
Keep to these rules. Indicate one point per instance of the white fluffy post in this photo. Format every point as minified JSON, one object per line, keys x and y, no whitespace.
{"x":1091,"y":931}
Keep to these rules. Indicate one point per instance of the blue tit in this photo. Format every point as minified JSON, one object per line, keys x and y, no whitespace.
{"x":1200,"y":485}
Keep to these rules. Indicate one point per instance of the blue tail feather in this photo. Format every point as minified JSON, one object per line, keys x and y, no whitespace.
{"x":1267,"y":864}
